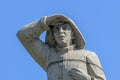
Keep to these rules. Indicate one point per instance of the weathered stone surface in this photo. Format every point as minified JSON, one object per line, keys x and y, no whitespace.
{"x":62,"y":55}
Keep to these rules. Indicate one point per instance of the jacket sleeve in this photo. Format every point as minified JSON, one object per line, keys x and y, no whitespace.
{"x":94,"y":67}
{"x":29,"y":37}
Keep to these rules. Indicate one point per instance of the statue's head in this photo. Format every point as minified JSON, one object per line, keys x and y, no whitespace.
{"x":64,"y":33}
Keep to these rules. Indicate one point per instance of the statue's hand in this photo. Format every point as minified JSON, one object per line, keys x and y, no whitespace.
{"x":76,"y":74}
{"x":55,"y":19}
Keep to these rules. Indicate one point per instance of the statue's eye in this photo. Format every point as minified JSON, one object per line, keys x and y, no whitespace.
{"x":56,"y":29}
{"x":64,"y":28}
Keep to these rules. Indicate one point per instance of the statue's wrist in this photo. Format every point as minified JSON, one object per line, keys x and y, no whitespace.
{"x":44,"y":23}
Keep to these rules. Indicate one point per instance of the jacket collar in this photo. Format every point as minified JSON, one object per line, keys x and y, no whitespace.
{"x":65,"y":49}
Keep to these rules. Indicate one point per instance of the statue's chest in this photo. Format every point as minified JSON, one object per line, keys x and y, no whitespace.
{"x":71,"y":59}
{"x":75,"y":55}
{"x":60,"y":64}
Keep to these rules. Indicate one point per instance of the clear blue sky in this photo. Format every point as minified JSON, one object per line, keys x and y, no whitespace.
{"x":98,"y":20}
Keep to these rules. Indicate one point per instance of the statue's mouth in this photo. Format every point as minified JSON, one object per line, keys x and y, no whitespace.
{"x":62,"y":36}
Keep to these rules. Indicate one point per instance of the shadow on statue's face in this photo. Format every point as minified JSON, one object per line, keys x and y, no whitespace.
{"x":63,"y":35}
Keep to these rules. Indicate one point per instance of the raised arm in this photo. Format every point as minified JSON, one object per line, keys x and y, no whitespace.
{"x":94,"y":67}
{"x":29,"y":37}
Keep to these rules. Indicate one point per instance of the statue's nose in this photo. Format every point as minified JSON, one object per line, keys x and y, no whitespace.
{"x":61,"y":30}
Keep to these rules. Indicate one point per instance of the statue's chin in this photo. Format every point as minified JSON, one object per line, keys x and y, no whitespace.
{"x":62,"y":44}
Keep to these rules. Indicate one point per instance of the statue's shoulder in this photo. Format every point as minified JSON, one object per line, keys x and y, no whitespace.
{"x":92,"y":58}
{"x":86,"y":52}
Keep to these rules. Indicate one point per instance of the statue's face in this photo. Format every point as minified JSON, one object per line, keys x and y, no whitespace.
{"x":63,"y":35}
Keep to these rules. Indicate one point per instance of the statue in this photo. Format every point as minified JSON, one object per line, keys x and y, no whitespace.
{"x":62,"y":55}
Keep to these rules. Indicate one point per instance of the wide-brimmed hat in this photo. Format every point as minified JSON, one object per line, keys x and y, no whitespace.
{"x":78,"y":40}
